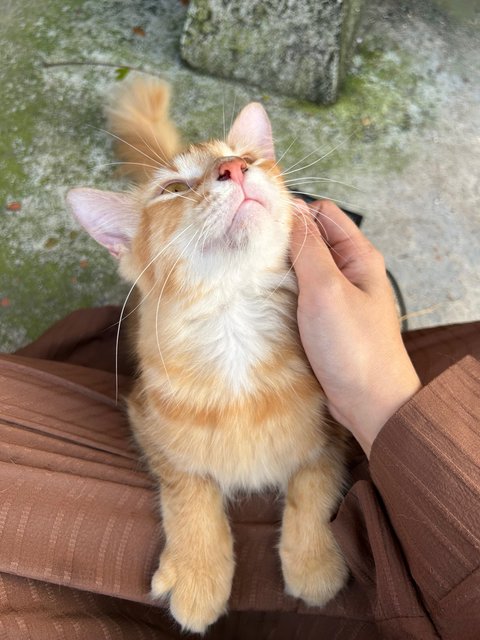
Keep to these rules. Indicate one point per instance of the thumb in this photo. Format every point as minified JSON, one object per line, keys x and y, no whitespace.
{"x":310,"y":256}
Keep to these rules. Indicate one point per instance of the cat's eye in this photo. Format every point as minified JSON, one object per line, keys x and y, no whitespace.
{"x":175,"y":187}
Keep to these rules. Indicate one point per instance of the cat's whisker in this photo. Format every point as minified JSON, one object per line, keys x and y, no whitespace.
{"x":295,"y":164}
{"x":139,"y":164}
{"x":157,"y":158}
{"x":200,"y":195}
{"x":114,"y":135}
{"x":180,"y":195}
{"x":203,"y":236}
{"x":323,"y":196}
{"x":286,"y":151}
{"x":292,"y":170}
{"x":200,"y":233}
{"x":197,"y":193}
{"x":182,"y":253}
{"x":298,"y":213}
{"x":316,"y":215}
{"x":161,"y":156}
{"x":122,"y":317}
{"x":348,"y":236}
{"x":324,"y":239}
{"x":291,"y":268}
{"x":288,"y":169}
{"x":233,"y":109}
{"x":172,"y":241}
{"x":325,"y":234}
{"x":306,"y":180}
{"x":283,"y":155}
{"x":223,"y":113}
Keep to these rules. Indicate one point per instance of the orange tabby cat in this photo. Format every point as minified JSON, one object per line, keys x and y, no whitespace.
{"x":225,"y":399}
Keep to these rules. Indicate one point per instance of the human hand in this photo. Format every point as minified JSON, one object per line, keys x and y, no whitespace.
{"x":348,"y":321}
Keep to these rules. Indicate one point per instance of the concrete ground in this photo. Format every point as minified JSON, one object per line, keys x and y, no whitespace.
{"x":405,"y":137}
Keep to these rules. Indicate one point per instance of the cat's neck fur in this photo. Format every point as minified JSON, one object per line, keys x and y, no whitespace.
{"x":228,"y":329}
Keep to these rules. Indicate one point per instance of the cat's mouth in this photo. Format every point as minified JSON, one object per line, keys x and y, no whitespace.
{"x":240,"y":214}
{"x":247,"y":200}
{"x":245,"y":215}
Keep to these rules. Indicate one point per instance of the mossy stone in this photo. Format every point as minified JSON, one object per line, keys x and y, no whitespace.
{"x":300,"y":49}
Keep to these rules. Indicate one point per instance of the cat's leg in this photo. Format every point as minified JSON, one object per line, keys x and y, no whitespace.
{"x":196,"y":566}
{"x":312,"y":563}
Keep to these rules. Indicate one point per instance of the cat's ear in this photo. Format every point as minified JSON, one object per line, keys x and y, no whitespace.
{"x":110,"y":218}
{"x":252,"y":128}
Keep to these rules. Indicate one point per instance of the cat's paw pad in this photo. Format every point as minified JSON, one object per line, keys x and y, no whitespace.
{"x":198,"y":594}
{"x":314,"y":576}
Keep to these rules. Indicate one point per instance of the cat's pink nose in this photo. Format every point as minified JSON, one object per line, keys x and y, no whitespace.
{"x":232,"y":168}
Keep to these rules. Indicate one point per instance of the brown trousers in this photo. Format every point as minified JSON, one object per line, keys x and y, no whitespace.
{"x":80,"y":533}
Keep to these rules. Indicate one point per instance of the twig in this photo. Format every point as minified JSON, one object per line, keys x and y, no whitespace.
{"x":421,"y":312}
{"x":93,"y":63}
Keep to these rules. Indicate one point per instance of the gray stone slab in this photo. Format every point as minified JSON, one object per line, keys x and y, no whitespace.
{"x":294,"y":47}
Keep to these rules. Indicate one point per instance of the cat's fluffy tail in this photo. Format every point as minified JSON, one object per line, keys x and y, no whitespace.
{"x":137,"y":116}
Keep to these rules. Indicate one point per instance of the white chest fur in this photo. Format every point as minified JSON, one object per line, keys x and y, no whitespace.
{"x":233,"y":338}
{"x":222,"y":344}
{"x":228,"y":332}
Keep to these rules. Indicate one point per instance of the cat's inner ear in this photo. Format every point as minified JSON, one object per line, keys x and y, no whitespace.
{"x":252,"y":128}
{"x":110,"y":218}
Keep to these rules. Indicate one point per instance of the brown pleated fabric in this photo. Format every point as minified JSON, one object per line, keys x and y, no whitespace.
{"x":80,"y":533}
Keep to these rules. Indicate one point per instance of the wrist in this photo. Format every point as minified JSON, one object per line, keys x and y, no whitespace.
{"x":380,"y":407}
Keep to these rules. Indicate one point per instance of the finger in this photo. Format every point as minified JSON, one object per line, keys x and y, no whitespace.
{"x":310,"y":256}
{"x":353,"y":253}
{"x":334,"y":223}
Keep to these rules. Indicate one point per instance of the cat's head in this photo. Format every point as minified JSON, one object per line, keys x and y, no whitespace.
{"x":218,"y":207}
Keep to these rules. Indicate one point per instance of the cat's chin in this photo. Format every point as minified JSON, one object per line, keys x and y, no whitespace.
{"x":244,"y":223}
{"x":245,"y":218}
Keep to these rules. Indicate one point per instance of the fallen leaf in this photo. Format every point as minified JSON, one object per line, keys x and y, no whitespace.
{"x":139,"y":31}
{"x":121,"y":73}
{"x":5,"y":302}
{"x":83,"y":263}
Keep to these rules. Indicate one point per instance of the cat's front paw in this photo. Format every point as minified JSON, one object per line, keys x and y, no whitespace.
{"x":199,"y":590}
{"x":314,"y":574}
